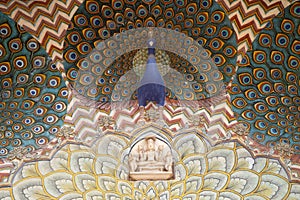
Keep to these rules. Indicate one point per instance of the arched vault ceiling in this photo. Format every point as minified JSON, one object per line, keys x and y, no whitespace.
{"x":252,"y":54}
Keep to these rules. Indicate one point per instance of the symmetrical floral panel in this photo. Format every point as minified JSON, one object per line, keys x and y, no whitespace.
{"x":100,"y":171}
{"x":71,"y":126}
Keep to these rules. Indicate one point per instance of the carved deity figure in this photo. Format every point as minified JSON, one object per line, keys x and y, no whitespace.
{"x":141,"y":153}
{"x":132,"y":162}
{"x":150,"y":159}
{"x":151,"y":153}
{"x":160,"y":153}
{"x":169,"y":161}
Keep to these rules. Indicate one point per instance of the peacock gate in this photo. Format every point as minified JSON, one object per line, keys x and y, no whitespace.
{"x":149,"y":99}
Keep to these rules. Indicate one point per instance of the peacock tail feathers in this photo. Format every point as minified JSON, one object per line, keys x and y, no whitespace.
{"x":33,"y":97}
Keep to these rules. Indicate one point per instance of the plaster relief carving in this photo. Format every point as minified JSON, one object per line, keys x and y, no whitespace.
{"x":151,"y":159}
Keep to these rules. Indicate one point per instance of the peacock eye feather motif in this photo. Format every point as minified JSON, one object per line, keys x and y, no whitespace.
{"x":226,"y":81}
{"x":267,"y":83}
{"x":96,"y":62}
{"x":30,"y":101}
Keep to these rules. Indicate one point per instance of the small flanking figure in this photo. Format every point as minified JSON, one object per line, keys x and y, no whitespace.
{"x":169,"y":162}
{"x":133,"y":162}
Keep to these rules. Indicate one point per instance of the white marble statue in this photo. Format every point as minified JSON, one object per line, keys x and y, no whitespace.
{"x":150,"y":159}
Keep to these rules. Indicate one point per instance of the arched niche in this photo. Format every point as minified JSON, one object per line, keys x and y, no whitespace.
{"x":151,"y":155}
{"x":151,"y":159}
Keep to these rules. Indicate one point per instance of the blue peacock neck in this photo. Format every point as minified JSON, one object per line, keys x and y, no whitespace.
{"x":152,"y":86}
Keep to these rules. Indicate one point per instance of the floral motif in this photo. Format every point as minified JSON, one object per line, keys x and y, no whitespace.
{"x":18,"y":153}
{"x":240,"y":129}
{"x":65,"y":132}
{"x":225,"y":171}
{"x":197,"y":121}
{"x":284,"y":149}
{"x":152,"y":114}
{"x":105,"y":122}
